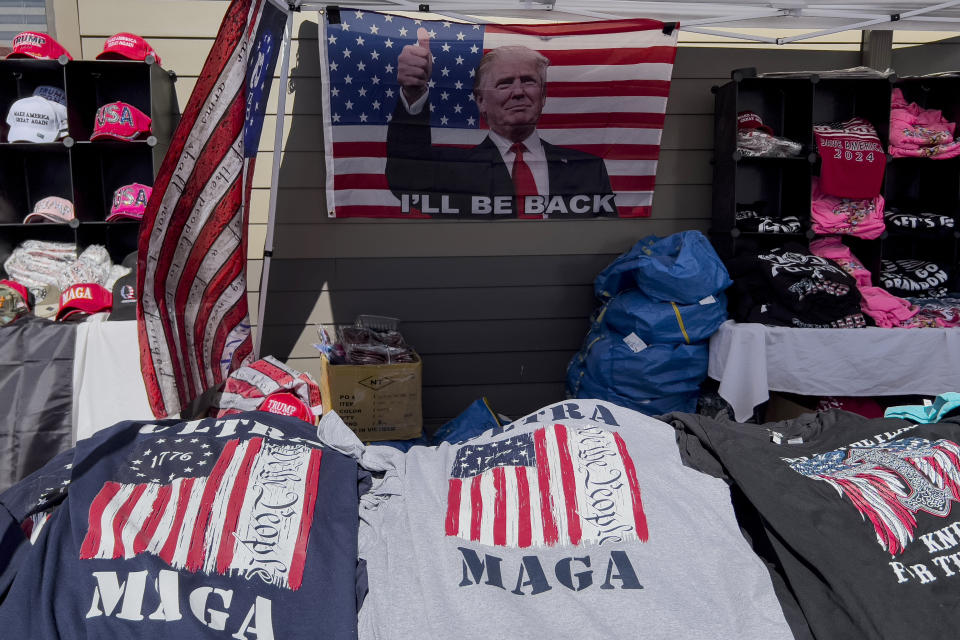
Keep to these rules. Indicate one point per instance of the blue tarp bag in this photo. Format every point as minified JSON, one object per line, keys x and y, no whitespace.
{"x":685,"y":402}
{"x":471,"y":422}
{"x":618,"y":275}
{"x":658,"y":322}
{"x":657,"y":370}
{"x":682,"y":268}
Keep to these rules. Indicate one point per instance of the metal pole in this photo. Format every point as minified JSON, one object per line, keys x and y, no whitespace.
{"x":274,"y":179}
{"x":729,"y":34}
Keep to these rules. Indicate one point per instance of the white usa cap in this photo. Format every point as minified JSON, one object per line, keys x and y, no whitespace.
{"x":36,"y":119}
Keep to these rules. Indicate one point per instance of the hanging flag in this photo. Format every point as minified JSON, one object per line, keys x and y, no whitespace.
{"x":416,"y":126}
{"x":192,"y":317}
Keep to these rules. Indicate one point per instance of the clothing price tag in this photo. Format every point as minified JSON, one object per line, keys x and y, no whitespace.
{"x":635,"y":343}
{"x":708,"y":300}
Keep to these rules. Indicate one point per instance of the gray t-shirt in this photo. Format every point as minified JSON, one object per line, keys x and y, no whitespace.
{"x":577,"y":521}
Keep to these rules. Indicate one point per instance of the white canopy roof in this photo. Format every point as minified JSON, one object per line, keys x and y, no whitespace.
{"x":816,"y":18}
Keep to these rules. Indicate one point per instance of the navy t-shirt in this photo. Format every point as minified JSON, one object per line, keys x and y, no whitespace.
{"x":235,"y":528}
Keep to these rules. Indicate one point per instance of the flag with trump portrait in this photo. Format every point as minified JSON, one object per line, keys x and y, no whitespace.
{"x":435,"y":118}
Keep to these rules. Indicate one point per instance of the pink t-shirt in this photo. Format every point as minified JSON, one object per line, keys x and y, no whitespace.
{"x":830,"y":214}
{"x":886,"y":309}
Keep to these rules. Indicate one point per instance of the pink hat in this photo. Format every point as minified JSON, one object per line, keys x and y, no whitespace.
{"x":129,"y":202}
{"x":84,"y":297}
{"x":31,"y":44}
{"x":51,"y":209}
{"x":750,"y":120}
{"x":120,"y":121}
{"x":285,"y":403}
{"x":127,"y":46}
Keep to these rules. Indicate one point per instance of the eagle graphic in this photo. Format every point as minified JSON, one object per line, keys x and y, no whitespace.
{"x":890,"y":483}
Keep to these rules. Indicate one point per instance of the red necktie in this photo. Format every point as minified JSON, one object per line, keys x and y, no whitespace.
{"x":523,"y":182}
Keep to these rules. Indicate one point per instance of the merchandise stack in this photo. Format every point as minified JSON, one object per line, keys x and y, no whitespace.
{"x":857,"y":232}
{"x":647,"y":345}
{"x":81,"y":145}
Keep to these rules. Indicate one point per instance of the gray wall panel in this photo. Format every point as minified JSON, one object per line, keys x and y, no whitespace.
{"x":497,"y":308}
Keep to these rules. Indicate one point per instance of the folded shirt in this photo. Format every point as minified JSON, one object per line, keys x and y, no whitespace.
{"x":911,"y":277}
{"x":752,"y":220}
{"x":831,"y":215}
{"x":917,"y":221}
{"x":918,"y":132}
{"x":852,"y":160}
{"x":886,"y":309}
{"x":940,"y":152}
{"x":939,"y":312}
{"x":787,"y":286}
{"x":832,"y":248}
{"x":753,"y":143}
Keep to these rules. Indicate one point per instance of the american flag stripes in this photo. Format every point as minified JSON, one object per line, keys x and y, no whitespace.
{"x":192,"y":314}
{"x":607,"y":88}
{"x":535,"y":489}
{"x":890,"y":483}
{"x":251,"y":515}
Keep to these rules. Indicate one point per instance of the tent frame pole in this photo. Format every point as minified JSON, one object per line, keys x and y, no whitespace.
{"x":286,"y":45}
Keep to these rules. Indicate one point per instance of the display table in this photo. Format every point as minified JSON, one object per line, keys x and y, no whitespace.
{"x":749,"y":360}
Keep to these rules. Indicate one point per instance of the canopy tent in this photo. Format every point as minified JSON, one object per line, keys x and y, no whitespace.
{"x":819,"y":18}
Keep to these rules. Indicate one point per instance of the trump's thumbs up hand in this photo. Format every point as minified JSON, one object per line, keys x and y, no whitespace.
{"x":414,"y":66}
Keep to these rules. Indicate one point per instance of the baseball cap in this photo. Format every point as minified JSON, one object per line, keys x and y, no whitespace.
{"x":84,"y":297}
{"x":47,"y":302}
{"x":14,"y":301}
{"x":36,"y":119}
{"x":51,"y":93}
{"x":285,"y":403}
{"x":120,"y":121}
{"x":750,"y":120}
{"x":51,"y":209}
{"x":129,"y":202}
{"x":127,"y":46}
{"x":125,"y":298}
{"x":31,"y":44}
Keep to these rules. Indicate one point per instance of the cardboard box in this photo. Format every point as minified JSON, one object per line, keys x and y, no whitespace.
{"x":377,"y":401}
{"x":787,"y":406}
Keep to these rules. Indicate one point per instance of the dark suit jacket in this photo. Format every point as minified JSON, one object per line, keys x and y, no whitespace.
{"x":417,"y":168}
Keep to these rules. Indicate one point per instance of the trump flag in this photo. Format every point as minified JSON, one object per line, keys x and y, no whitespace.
{"x":446,"y":119}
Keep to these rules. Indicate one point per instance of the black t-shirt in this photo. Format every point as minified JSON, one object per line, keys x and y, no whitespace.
{"x":859,"y":515}
{"x":787,"y":286}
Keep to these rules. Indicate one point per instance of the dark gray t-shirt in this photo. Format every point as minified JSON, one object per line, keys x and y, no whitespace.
{"x":577,"y":521}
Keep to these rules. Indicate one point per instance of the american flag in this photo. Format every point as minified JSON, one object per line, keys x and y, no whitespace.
{"x":192,"y":314}
{"x":607,"y":88}
{"x":535,"y":489}
{"x":240,"y":507}
{"x":890,"y":483}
